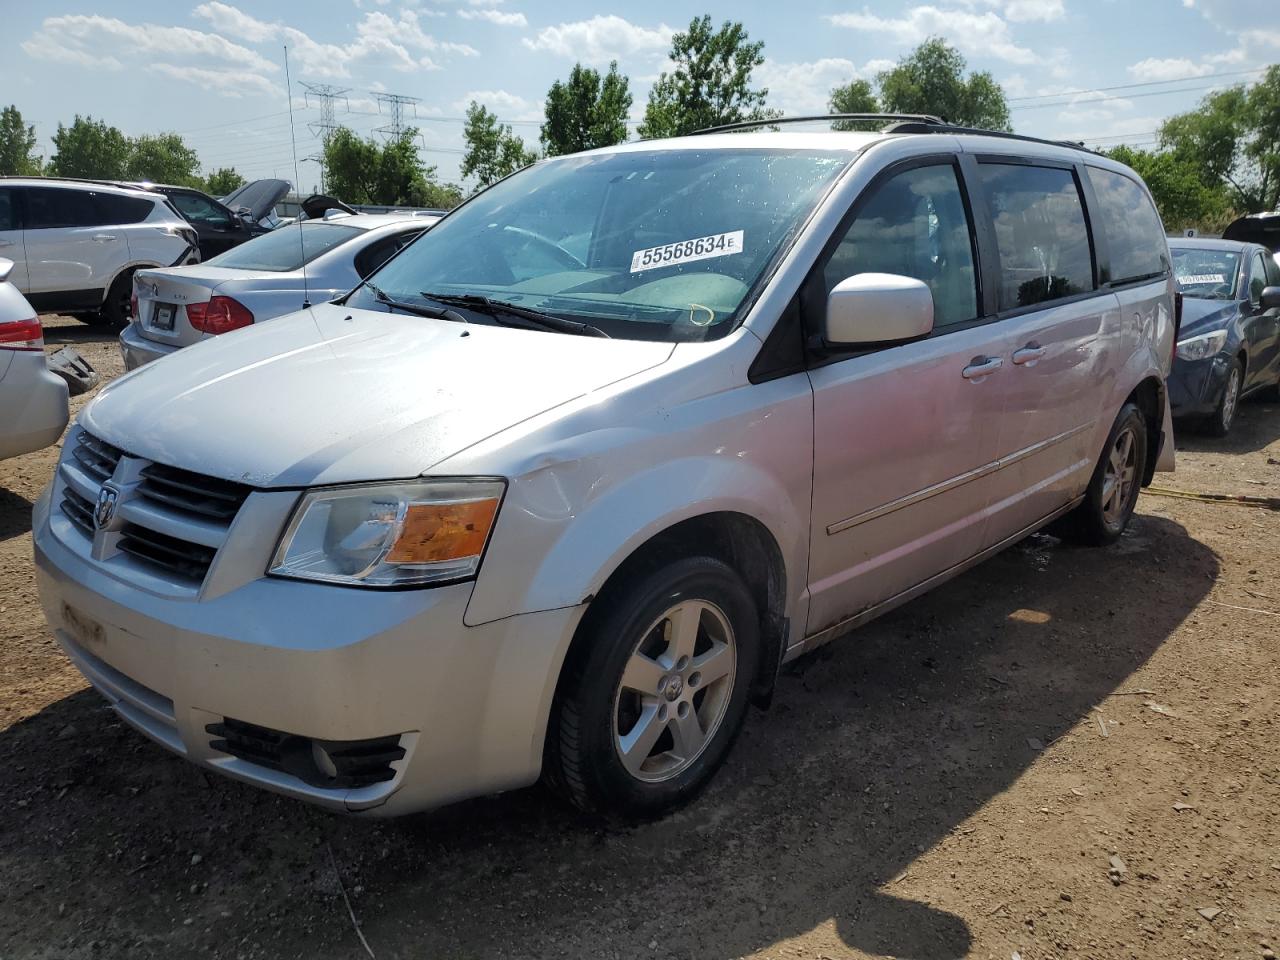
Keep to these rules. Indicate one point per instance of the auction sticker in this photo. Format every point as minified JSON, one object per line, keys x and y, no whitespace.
{"x":686,"y":251}
{"x":1188,"y":281}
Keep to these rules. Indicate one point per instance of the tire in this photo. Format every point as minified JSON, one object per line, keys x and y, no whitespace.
{"x":1102,"y":518}
{"x":634,"y":683}
{"x":1224,"y":415}
{"x":115,"y":309}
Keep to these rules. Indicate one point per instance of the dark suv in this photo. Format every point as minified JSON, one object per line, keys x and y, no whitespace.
{"x":221,"y":225}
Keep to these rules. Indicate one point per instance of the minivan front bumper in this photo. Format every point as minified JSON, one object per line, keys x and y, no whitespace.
{"x":317,"y":662}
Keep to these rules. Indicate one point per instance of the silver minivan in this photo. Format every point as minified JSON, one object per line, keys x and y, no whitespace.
{"x":559,"y":488}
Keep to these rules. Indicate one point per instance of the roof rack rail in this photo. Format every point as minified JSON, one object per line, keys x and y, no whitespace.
{"x":919,"y":118}
{"x":915,"y":127}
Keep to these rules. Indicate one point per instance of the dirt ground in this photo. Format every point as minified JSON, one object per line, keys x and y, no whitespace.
{"x":1062,"y":753}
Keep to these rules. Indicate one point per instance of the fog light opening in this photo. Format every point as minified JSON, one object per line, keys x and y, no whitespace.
{"x":324,"y":763}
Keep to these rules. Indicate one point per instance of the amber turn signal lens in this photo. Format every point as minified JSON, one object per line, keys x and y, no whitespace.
{"x":433,"y":532}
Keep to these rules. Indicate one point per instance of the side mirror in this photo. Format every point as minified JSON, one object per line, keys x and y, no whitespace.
{"x":1270,"y":298}
{"x":871,"y":309}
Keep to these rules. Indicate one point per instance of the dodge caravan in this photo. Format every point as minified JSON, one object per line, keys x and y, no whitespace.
{"x":556,"y":490}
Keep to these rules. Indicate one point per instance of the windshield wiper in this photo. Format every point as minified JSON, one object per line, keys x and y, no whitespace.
{"x":496,"y":308}
{"x":418,"y":309}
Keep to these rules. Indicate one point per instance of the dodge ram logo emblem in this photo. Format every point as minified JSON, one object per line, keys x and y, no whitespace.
{"x":106,"y":509}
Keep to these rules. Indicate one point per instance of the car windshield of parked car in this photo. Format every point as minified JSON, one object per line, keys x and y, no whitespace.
{"x":283,"y":249}
{"x":642,"y":244}
{"x":1206,"y":274}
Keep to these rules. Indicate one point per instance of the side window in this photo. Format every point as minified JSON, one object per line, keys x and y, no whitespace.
{"x":49,"y":207}
{"x":1257,"y":278}
{"x":1135,"y":235}
{"x":376,"y":254}
{"x":1273,"y":270}
{"x":8,"y":213}
{"x":115,"y":210}
{"x":199,"y":210}
{"x":914,"y":225}
{"x":1040,"y":233}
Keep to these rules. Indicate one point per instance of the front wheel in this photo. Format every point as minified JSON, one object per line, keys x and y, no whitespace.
{"x":649,"y":708}
{"x":1220,"y":421}
{"x":1113,"y":490}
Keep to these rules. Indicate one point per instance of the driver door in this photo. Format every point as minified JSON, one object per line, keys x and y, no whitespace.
{"x":904,"y":436}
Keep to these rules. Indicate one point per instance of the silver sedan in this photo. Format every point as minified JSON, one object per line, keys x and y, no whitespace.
{"x":33,"y":400}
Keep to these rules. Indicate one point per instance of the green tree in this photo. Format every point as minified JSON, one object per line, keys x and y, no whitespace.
{"x":222,"y":181}
{"x":1232,"y":140}
{"x":1182,"y":196}
{"x":493,"y":150}
{"x":17,"y":145}
{"x":856,"y":96}
{"x":90,"y":148}
{"x":365,"y":171}
{"x":931,"y":80}
{"x":586,"y":111}
{"x":711,"y":82}
{"x":163,"y":158}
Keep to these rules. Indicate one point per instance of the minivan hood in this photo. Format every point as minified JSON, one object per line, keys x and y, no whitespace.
{"x":336,"y":395}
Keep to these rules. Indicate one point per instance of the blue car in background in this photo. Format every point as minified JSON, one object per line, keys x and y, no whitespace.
{"x":1229,"y":341}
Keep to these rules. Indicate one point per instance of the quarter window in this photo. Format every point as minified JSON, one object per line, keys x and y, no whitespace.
{"x":1135,"y":235}
{"x":1041,"y":233}
{"x":914,"y":225}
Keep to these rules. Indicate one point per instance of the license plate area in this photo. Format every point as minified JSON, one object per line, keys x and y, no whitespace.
{"x":162,"y":315}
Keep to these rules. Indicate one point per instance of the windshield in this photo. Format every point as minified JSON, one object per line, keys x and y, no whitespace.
{"x":1206,"y":274}
{"x":281,"y":250}
{"x":652,"y":245}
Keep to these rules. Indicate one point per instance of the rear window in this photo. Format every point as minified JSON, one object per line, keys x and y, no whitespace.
{"x":1135,"y":235}
{"x":1040,"y":233}
{"x":283,"y":249}
{"x":1206,"y":274}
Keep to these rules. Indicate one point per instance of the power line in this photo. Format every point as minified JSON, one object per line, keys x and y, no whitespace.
{"x":1132,"y":96}
{"x":1130,"y":86}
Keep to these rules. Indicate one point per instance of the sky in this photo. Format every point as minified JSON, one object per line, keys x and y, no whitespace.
{"x":1103,"y":71}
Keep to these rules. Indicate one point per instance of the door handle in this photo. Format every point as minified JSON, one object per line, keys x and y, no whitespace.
{"x":1029,"y":354}
{"x":981,"y":367}
{"x":103,"y":237}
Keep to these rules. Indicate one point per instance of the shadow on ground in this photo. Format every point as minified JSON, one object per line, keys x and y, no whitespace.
{"x":15,"y":514}
{"x":1256,"y":426}
{"x":874,"y":750}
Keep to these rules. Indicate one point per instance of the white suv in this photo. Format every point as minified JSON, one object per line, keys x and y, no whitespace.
{"x":75,"y":245}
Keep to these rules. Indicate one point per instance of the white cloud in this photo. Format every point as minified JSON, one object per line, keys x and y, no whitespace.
{"x":803,"y":88}
{"x":601,"y":39}
{"x":495,"y":16}
{"x":1023,"y":11}
{"x":229,"y":83}
{"x":1155,"y":69}
{"x":1270,"y":38}
{"x":1094,"y":108}
{"x":508,"y":106}
{"x":983,"y":34}
{"x":82,"y":39}
{"x":399,"y":43}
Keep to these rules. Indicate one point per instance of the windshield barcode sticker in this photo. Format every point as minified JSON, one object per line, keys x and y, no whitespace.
{"x":1203,"y":278}
{"x":686,"y":251}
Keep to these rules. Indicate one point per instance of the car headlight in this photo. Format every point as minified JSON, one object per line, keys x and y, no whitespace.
{"x":390,"y":534}
{"x":1205,"y":345}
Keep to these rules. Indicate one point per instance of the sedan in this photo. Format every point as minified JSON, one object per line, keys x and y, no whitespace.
{"x":33,"y":400}
{"x":1229,"y":342}
{"x":269,"y":276}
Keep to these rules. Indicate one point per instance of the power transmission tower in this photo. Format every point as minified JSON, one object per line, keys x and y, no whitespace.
{"x":325,"y":95}
{"x":395,"y":104}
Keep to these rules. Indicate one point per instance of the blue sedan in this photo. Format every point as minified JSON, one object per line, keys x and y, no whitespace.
{"x":1229,"y":342}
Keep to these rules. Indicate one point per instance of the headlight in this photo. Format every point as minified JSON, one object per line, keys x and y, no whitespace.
{"x":390,"y":534}
{"x":1205,"y":345}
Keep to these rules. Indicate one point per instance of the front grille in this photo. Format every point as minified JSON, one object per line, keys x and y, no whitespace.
{"x":193,"y":493}
{"x":97,"y":457}
{"x":358,"y":763}
{"x":78,"y":510}
{"x":189,"y":561}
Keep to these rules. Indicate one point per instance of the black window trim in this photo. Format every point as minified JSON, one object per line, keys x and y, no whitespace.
{"x":1256,"y":254}
{"x":812,"y":292}
{"x":1099,"y":289}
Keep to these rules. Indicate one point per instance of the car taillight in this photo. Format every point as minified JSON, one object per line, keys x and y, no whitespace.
{"x":219,"y":315}
{"x":23,"y":335}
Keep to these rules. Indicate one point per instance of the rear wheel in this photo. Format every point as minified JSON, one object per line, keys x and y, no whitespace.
{"x":1113,"y":490}
{"x":1220,"y":421}
{"x":115,"y":309}
{"x":651,"y":706}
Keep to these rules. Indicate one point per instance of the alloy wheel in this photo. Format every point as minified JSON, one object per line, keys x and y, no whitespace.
{"x":1119,"y":478}
{"x":675,"y":691}
{"x":1230,"y":398}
